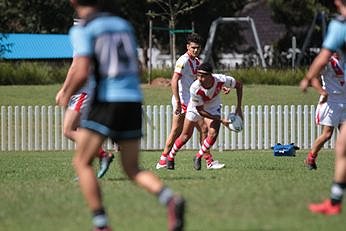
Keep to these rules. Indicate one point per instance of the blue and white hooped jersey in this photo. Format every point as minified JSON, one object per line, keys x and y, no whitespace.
{"x":110,"y":42}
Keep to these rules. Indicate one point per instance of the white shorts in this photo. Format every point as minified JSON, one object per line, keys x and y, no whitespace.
{"x":330,"y":114}
{"x":174,"y":105}
{"x":78,"y":102}
{"x":193,"y":115}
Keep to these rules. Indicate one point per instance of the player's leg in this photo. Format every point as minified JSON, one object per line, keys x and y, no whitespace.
{"x":185,"y":135}
{"x":175,"y":204}
{"x":76,"y":110}
{"x":71,"y":123}
{"x":333,"y":205}
{"x":327,"y":114}
{"x":213,"y":130}
{"x":310,"y":161}
{"x":177,"y":127}
{"x":105,"y":159}
{"x":88,"y":143}
{"x":202,"y":127}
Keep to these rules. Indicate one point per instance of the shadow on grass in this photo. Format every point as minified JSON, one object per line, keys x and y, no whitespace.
{"x":179,"y":178}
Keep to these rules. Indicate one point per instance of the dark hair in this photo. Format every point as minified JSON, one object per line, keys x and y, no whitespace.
{"x":194,"y":38}
{"x":205,"y":67}
{"x":88,"y":2}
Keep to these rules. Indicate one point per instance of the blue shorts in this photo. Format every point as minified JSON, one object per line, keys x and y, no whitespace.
{"x":118,"y":120}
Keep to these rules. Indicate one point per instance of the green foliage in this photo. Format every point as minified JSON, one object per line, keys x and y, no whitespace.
{"x":270,"y":76}
{"x":31,"y":73}
{"x":287,"y":12}
{"x":255,"y":191}
{"x":35,"y":16}
{"x":249,"y":76}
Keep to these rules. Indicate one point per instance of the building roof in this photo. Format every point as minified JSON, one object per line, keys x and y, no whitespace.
{"x":35,"y":46}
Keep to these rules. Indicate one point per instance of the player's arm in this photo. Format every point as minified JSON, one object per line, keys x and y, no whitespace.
{"x":312,"y":76}
{"x":75,"y":79}
{"x":175,"y":91}
{"x":239,"y":90}
{"x":231,"y":82}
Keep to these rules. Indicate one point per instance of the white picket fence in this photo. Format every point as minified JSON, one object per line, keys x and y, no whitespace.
{"x":39,"y":128}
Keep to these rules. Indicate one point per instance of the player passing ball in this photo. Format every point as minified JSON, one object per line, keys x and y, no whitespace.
{"x":205,"y":104}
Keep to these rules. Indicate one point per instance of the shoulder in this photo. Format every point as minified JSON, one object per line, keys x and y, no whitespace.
{"x":183,"y":59}
{"x":105,"y":21}
{"x":223,"y":77}
{"x":195,"y":86}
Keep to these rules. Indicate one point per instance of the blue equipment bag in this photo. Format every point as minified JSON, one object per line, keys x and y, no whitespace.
{"x":285,"y":149}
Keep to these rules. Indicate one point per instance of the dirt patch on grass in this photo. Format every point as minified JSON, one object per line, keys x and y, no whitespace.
{"x":160,"y":82}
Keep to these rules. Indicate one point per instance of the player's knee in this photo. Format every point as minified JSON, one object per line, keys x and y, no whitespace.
{"x":131,"y":171}
{"x":68,"y":133}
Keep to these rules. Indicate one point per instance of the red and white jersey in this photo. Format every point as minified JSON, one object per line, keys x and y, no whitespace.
{"x":186,"y":68}
{"x":333,"y":80}
{"x":209,"y":98}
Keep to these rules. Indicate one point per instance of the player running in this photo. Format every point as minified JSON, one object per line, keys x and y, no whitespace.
{"x":329,"y":111}
{"x":77,"y":110}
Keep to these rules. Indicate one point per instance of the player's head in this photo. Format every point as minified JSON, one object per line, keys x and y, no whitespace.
{"x":84,"y":2}
{"x":204,"y":74}
{"x":340,"y":5}
{"x":110,"y":6}
{"x":193,"y":44}
{"x":205,"y":68}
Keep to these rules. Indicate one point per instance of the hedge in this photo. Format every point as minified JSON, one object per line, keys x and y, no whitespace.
{"x":41,"y":73}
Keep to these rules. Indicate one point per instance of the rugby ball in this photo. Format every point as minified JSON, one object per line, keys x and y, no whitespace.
{"x":236,"y":123}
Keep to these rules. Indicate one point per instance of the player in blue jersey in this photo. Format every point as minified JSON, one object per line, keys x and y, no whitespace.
{"x":334,"y":41}
{"x":105,"y":44}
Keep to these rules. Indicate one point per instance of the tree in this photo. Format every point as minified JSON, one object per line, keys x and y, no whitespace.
{"x":303,"y":19}
{"x":170,"y":11}
{"x":35,"y":16}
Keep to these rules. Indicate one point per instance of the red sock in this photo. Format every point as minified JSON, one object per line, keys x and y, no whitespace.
{"x":208,"y":158}
{"x":207,"y":143}
{"x":102,"y":153}
{"x":312,"y":155}
{"x":177,"y":145}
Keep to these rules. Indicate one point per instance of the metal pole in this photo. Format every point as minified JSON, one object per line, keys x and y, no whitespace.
{"x":294,"y":48}
{"x":150,"y":50}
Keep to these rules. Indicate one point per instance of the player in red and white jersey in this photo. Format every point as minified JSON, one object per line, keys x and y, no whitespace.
{"x":184,"y":75}
{"x":205,"y":104}
{"x":330,"y":111}
{"x":76,"y":110}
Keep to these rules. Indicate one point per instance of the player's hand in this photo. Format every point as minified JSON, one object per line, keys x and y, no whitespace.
{"x":226,"y":90}
{"x":304,"y":84}
{"x":225,"y":122}
{"x":61,"y":99}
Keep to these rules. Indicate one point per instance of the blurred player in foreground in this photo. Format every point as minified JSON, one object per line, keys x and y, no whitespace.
{"x":107,"y":45}
{"x":329,"y":112}
{"x":334,"y":41}
{"x":77,"y":110}
{"x":205,"y":104}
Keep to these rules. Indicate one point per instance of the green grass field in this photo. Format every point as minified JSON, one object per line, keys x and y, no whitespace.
{"x":256,"y":191}
{"x":253,"y":95}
